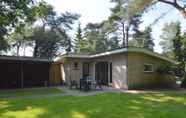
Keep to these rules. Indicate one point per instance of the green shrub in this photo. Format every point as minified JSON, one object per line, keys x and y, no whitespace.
{"x":183,"y":84}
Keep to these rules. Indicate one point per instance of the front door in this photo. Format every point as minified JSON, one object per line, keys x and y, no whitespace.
{"x":102,"y":72}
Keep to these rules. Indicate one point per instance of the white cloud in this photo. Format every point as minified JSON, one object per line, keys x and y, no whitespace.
{"x":90,"y":10}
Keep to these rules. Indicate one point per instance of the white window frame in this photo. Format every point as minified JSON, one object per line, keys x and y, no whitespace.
{"x":148,"y":65}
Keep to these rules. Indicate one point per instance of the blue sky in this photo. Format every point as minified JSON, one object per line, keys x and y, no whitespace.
{"x":99,"y":10}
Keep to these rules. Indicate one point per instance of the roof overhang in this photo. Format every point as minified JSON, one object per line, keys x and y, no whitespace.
{"x":118,"y":51}
{"x":19,"y":58}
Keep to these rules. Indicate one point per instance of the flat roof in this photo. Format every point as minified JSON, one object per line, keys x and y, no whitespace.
{"x":117,"y":51}
{"x":21,"y":58}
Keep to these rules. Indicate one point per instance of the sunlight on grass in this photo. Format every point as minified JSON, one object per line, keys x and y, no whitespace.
{"x":29,"y":112}
{"x":164,"y":98}
{"x":3,"y":104}
{"x":77,"y":115}
{"x":108,"y":105}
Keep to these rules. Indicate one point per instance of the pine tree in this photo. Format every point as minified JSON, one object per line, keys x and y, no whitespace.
{"x":143,"y":39}
{"x":79,"y":42}
{"x":167,"y":36}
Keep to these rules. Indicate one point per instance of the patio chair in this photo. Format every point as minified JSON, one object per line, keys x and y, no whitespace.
{"x":97,"y":84}
{"x":73,"y":84}
{"x":85,"y":85}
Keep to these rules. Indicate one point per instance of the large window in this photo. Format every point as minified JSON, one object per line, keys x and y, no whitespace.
{"x":148,"y":68}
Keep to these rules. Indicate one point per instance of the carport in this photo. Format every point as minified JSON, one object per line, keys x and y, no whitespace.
{"x":24,"y":72}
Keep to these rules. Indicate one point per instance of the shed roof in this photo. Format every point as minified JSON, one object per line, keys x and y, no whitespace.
{"x":20,"y":58}
{"x":117,"y":51}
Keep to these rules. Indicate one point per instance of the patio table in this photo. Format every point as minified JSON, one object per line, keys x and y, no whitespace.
{"x":85,"y":84}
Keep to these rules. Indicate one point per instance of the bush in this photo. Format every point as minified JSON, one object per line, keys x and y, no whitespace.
{"x":183,"y":84}
{"x":164,"y":69}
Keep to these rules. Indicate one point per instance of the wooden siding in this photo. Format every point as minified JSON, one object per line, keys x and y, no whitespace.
{"x":136,"y":76}
{"x":55,"y":74}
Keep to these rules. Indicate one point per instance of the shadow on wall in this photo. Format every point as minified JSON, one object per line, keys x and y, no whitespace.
{"x":119,"y":77}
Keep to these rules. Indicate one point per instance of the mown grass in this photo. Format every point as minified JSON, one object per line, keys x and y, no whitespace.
{"x":109,"y":105}
{"x":28,"y":92}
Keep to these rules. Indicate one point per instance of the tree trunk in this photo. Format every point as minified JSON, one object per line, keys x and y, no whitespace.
{"x":127,"y":36}
{"x":183,"y":84}
{"x":24,"y":50}
{"x":18,"y":49}
{"x":123,"y":33}
{"x":35,"y":49}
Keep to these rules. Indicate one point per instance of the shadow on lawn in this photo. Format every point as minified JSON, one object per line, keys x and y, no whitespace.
{"x":110,"y":105}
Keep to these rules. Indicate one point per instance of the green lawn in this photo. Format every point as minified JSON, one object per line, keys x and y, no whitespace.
{"x":28,"y":92}
{"x":110,"y":105}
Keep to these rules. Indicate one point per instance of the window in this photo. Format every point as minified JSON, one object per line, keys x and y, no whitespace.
{"x":76,"y":66}
{"x":148,"y":68}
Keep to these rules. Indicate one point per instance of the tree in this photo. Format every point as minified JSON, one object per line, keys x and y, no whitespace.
{"x":125,"y":15}
{"x":13,"y":12}
{"x":62,"y":24}
{"x":169,"y":33}
{"x":97,"y":40}
{"x":80,"y":44}
{"x":179,"y":50}
{"x":143,"y":39}
{"x":18,"y":40}
{"x":3,"y":45}
{"x":177,"y":4}
{"x":180,"y":6}
{"x":180,"y":54}
{"x":46,"y":43}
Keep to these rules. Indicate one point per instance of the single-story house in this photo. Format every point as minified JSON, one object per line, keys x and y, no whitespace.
{"x":23,"y":72}
{"x":124,"y":68}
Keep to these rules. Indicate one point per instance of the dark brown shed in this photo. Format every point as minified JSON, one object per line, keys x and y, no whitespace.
{"x":24,"y":72}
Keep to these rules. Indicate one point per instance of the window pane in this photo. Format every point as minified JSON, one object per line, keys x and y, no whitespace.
{"x":148,"y":68}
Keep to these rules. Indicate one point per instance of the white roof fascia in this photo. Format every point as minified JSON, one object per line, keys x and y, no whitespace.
{"x":109,"y":53}
{"x":115,"y":52}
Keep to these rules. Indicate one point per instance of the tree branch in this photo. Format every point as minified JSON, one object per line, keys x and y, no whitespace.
{"x":175,"y":5}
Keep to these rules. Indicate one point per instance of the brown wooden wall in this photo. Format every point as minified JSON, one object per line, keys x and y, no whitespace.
{"x":56,"y":74}
{"x":23,"y":74}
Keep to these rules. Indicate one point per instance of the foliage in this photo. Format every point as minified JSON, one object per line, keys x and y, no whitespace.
{"x":143,"y":39}
{"x":174,"y":42}
{"x":80,"y":44}
{"x":16,"y":14}
{"x":179,"y":52}
{"x":181,"y":56}
{"x":166,"y":69}
{"x":125,"y":17}
{"x":3,"y":45}
{"x":96,"y":39}
{"x":19,"y":39}
{"x":62,"y":24}
{"x":12,"y":13}
{"x":169,"y":32}
{"x":46,"y":43}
